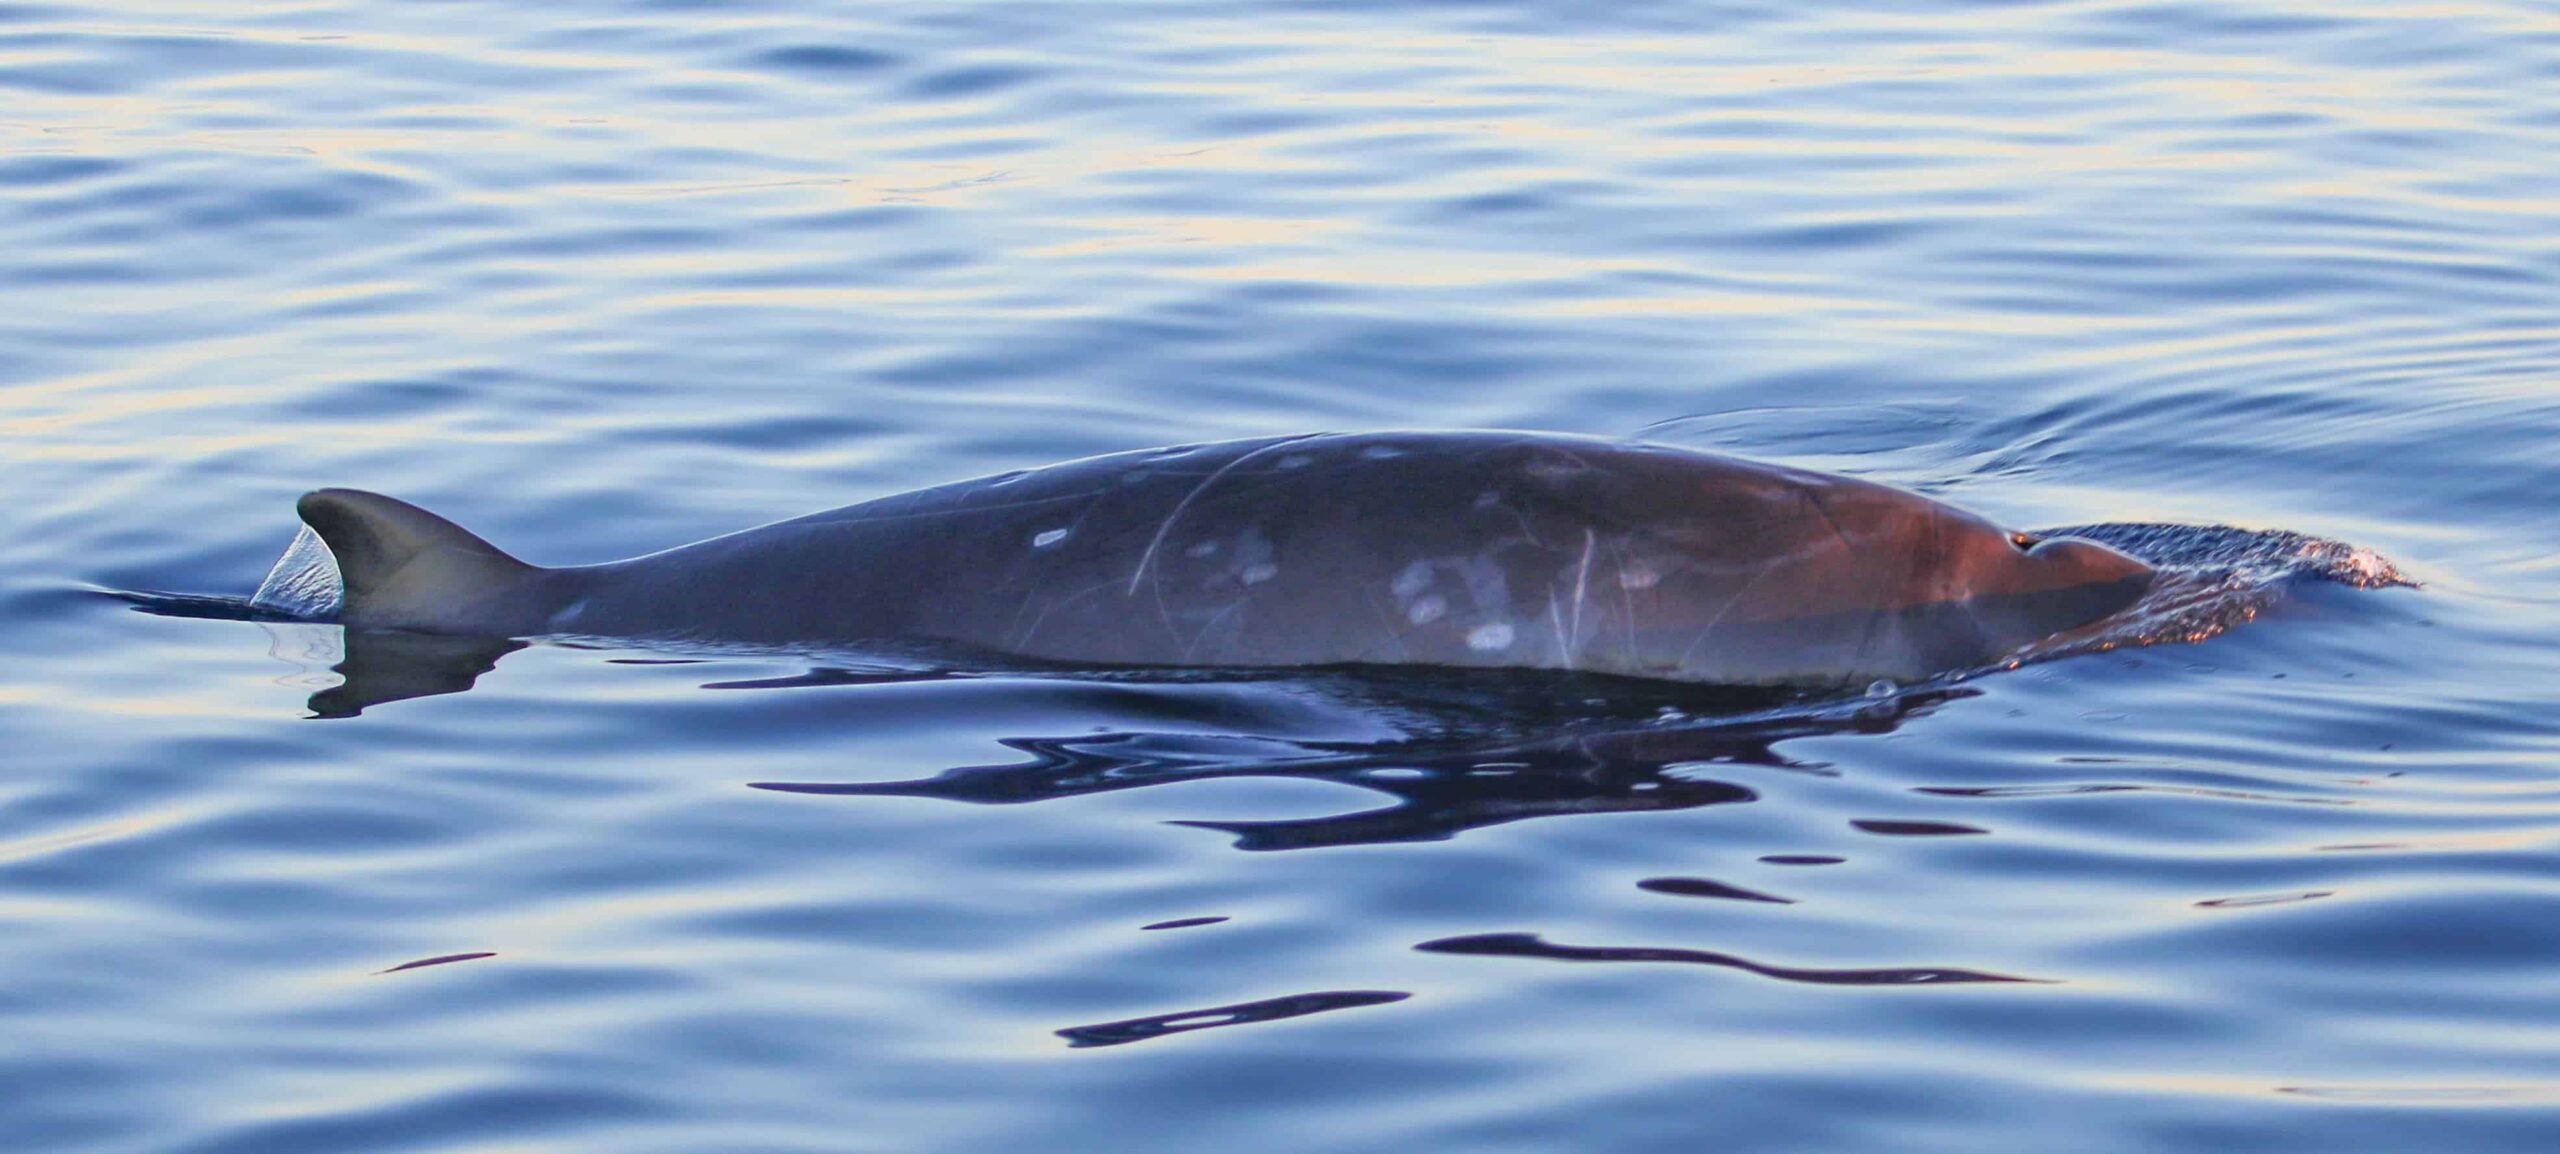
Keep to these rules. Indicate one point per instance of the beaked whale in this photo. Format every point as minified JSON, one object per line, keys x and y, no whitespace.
{"x":1450,"y":549}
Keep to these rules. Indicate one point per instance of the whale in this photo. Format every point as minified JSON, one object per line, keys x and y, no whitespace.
{"x":1462,"y":550}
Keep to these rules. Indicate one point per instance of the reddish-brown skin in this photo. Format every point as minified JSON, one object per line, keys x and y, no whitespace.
{"x":1450,"y":549}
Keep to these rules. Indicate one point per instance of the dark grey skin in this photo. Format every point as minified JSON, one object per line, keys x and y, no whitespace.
{"x":1489,"y":550}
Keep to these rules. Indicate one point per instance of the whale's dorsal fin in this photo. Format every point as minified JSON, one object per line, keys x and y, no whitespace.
{"x":406,"y":568}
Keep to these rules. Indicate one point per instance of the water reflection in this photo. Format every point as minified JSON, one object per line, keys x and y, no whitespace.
{"x":1441,"y":783}
{"x":1709,"y":888}
{"x":383,"y":666}
{"x":438,"y":960}
{"x":373,"y":666}
{"x":1476,"y":748}
{"x":1242,"y":1013}
{"x":1533,"y":946}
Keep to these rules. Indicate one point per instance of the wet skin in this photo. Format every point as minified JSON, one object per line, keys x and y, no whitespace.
{"x":1445,"y":549}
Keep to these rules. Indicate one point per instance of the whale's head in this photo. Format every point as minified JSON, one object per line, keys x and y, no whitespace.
{"x":1790,"y":577}
{"x":1955,"y":590}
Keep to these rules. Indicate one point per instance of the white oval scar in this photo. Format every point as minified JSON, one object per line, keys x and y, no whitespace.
{"x":1486,"y":638}
{"x":1203,"y":549}
{"x":1415,"y":578}
{"x":1296,"y":461}
{"x":1049,"y":538}
{"x":1257,"y":574}
{"x":1427,"y":610}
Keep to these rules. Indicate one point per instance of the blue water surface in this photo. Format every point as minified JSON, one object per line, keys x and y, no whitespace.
{"x":596,"y":278}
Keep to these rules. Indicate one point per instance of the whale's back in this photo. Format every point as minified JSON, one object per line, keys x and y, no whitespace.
{"x":1444,"y":549}
{"x":1487,"y":550}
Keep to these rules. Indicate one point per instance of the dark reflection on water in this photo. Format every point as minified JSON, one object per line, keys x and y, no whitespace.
{"x":1184,"y":923}
{"x":1709,"y":888}
{"x":1242,"y":1013}
{"x":439,"y":960}
{"x":1439,"y":791}
{"x":2242,"y":903}
{"x":374,"y":666}
{"x":382,"y":667}
{"x":1533,"y":946}
{"x":1890,"y":828}
{"x":2066,"y":789}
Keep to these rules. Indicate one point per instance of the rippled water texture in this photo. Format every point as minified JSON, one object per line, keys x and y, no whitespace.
{"x":597,"y":279}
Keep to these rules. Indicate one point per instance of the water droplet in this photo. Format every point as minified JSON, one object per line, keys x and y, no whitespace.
{"x":1487,"y":638}
{"x":1882,"y":687}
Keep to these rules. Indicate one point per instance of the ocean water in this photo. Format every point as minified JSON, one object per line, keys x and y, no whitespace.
{"x":597,"y":278}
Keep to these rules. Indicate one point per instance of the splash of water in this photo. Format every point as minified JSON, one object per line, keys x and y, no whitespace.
{"x":303,"y":583}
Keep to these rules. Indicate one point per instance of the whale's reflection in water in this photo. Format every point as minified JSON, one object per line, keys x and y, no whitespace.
{"x":1482,"y":751}
{"x":1475,"y":751}
{"x":1446,"y":751}
{"x":1472,"y":748}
